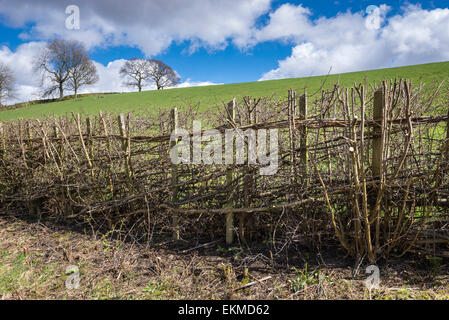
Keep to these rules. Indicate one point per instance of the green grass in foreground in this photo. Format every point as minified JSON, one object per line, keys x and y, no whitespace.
{"x":212,"y":96}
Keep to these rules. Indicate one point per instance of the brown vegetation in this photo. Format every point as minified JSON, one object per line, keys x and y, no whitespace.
{"x":375,"y":181}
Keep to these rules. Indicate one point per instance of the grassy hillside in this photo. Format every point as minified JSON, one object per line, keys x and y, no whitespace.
{"x":211,"y":96}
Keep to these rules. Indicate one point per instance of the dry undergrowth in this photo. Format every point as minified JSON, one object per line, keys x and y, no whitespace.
{"x":34,"y":257}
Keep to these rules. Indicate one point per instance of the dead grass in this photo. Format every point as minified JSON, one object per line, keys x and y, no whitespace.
{"x":34,"y":257}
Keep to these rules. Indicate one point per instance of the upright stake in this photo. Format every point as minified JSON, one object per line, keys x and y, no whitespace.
{"x":125,"y":145}
{"x":291,"y":130}
{"x":2,"y":142}
{"x":22,"y":146}
{"x":229,"y":179}
{"x":89,"y":137}
{"x":376,"y":162}
{"x":86,"y":153}
{"x":378,"y":152}
{"x":59,"y":147}
{"x":447,"y":131}
{"x":108,"y":147}
{"x":174,"y":175}
{"x":304,"y":153}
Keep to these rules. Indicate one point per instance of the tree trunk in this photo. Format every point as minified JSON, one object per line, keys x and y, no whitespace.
{"x":61,"y":92}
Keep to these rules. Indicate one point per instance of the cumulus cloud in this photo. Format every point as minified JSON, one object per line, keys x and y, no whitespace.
{"x":109,"y":78}
{"x":190,"y":83}
{"x":150,"y":25}
{"x":21,"y":63}
{"x":349,"y":42}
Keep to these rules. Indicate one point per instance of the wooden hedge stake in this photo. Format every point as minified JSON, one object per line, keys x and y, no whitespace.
{"x":447,"y":132}
{"x":304,"y":153}
{"x":2,"y":142}
{"x":83,"y":144}
{"x":174,"y":175}
{"x":291,"y":130}
{"x":126,"y":147}
{"x":29,"y":136}
{"x":108,"y":146}
{"x":247,"y":222}
{"x":229,"y":179}
{"x":89,"y":141}
{"x":377,"y":146}
{"x":59,"y":147}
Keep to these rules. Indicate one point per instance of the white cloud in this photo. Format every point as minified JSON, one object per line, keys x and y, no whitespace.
{"x":150,"y":25}
{"x":349,"y":41}
{"x":21,"y":63}
{"x":346,"y":42}
{"x":287,"y":22}
{"x":190,"y":83}
{"x":418,"y":36}
{"x":109,"y":78}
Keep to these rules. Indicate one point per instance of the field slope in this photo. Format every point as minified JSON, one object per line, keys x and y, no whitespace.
{"x":212,"y":96}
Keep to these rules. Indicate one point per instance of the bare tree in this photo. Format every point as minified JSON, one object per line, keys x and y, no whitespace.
{"x":162,"y":75}
{"x":7,"y":82}
{"x":140,"y":72}
{"x":135,"y":73}
{"x":64,"y":64}
{"x":82,"y":71}
{"x":53,"y":64}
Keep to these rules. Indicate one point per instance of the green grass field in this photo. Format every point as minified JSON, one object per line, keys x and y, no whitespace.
{"x":212,"y":96}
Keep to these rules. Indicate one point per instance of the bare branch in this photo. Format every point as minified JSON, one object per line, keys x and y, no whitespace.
{"x":7,"y":82}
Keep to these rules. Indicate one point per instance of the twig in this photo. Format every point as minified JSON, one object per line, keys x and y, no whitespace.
{"x":252,"y":283}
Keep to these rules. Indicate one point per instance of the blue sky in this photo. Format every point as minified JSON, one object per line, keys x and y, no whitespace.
{"x":228,"y":41}
{"x":232,"y":65}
